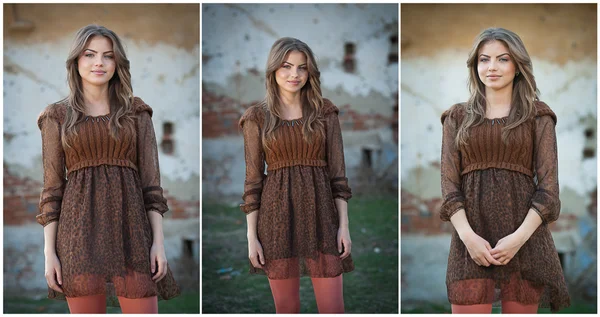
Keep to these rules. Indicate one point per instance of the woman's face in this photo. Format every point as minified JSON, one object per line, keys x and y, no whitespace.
{"x":96,"y":64}
{"x":496,"y":68}
{"x":293,"y":73}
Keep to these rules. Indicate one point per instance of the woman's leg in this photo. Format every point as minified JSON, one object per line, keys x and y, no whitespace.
{"x":472,"y":309}
{"x":145,"y":305}
{"x":93,"y":304}
{"x":511,"y":307}
{"x":329,"y":293}
{"x":472,"y":291}
{"x":286,"y":294}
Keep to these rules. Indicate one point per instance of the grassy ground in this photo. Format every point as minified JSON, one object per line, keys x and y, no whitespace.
{"x":577,"y":307}
{"x":188,"y":303}
{"x":371,"y":288}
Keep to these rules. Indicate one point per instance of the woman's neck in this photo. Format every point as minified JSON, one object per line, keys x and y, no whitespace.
{"x":290,"y":100}
{"x":96,"y":99}
{"x":499,"y":99}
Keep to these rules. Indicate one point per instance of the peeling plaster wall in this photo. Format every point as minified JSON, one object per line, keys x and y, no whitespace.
{"x":161,"y":42}
{"x":561,"y":40}
{"x":236,"y":41}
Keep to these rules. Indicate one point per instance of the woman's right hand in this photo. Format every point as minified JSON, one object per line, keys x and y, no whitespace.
{"x":479,"y":249}
{"x":53,"y":272}
{"x":255,"y":253}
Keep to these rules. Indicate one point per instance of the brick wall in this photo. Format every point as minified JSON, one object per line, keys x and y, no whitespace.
{"x":220,"y":116}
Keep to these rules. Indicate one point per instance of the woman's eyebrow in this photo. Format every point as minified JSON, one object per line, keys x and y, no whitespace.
{"x":496,"y":56}
{"x":293,"y":64}
{"x":89,"y":49}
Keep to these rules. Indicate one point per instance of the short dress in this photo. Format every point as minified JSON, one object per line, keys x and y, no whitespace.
{"x":297,"y":219}
{"x":100,"y":190}
{"x":497,"y":184}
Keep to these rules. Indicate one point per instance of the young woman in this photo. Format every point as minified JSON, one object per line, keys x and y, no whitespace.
{"x":297,"y":214}
{"x":500,"y":185}
{"x":102,"y":203}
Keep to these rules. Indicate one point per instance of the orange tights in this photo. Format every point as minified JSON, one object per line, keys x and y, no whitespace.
{"x":96,"y":304}
{"x":328,"y":292}
{"x":507,"y":308}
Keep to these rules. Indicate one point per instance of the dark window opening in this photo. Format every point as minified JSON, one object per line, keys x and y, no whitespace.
{"x":589,"y":153}
{"x":188,"y":248}
{"x":589,"y":133}
{"x":349,"y":62}
{"x":367,"y":155}
{"x":167,"y":144}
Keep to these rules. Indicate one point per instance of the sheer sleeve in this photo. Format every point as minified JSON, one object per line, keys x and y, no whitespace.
{"x":255,"y":161}
{"x":147,"y":157}
{"x":545,"y":200}
{"x":335,"y":155}
{"x":453,"y":197}
{"x":53,"y":160}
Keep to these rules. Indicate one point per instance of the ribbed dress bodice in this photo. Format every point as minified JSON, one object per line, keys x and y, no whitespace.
{"x":98,"y":147}
{"x":290,"y":149}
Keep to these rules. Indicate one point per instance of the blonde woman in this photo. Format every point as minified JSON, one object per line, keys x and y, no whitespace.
{"x":297,"y":214}
{"x":500,"y":185}
{"x":102,"y":204}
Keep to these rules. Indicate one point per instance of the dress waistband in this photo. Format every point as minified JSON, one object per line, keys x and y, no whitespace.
{"x":107,"y":161}
{"x":288,"y":163}
{"x":503,"y":165}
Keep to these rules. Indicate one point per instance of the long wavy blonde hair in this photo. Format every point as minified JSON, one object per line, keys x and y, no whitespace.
{"x":524,"y":93}
{"x":120,"y":92}
{"x":310,"y":94}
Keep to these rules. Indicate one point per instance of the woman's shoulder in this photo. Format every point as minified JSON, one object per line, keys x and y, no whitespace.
{"x":139,"y":106}
{"x":255,"y":112}
{"x":329,"y":107}
{"x":456,"y":112}
{"x":55,"y":111}
{"x":542,"y":109}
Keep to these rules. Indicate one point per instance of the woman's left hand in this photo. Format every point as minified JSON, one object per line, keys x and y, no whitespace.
{"x":343,"y":239}
{"x":157,"y":255}
{"x":507,"y":247}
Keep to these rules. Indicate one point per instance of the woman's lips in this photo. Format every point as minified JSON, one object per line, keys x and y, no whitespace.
{"x":97,"y":72}
{"x":294,"y":82}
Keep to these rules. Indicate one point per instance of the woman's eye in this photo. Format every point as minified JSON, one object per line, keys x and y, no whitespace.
{"x":483,"y":60}
{"x":504,"y":60}
{"x":109,"y":57}
{"x":89,"y":55}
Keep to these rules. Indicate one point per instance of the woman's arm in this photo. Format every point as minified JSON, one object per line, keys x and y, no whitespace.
{"x":156,"y":222}
{"x":254,"y":158}
{"x":545,"y":203}
{"x":50,"y":238}
{"x":155,"y":203}
{"x":336,"y":164}
{"x":453,"y":209}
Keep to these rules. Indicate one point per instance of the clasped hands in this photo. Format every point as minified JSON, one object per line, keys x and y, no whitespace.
{"x":483,"y":254}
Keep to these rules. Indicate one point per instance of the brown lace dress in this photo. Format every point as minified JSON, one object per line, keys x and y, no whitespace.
{"x":99,"y":190}
{"x":297,"y":218}
{"x":494,"y":183}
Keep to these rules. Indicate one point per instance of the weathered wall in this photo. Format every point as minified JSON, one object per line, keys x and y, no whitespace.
{"x":435,"y":42}
{"x":162,"y":44}
{"x":236,"y":41}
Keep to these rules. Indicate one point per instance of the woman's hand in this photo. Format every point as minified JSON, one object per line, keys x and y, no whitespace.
{"x":479,"y":249}
{"x":255,"y":253}
{"x":157,"y":255}
{"x":53,"y":272}
{"x":343,"y":240}
{"x":507,"y":247}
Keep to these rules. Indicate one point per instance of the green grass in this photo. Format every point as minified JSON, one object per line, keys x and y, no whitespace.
{"x":188,"y":303}
{"x":371,"y":288}
{"x":577,"y":307}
